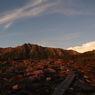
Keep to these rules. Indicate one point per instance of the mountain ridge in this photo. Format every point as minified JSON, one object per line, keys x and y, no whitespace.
{"x":28,"y":50}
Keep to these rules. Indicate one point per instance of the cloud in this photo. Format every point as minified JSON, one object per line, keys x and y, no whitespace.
{"x":72,"y":7}
{"x":45,"y":44}
{"x":69,"y":36}
{"x":7,"y":26}
{"x":85,"y":47}
{"x":17,"y":13}
{"x":43,"y":7}
{"x":72,"y":36}
{"x":30,"y":10}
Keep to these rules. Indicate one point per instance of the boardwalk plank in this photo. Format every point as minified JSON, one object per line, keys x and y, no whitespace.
{"x":65,"y":84}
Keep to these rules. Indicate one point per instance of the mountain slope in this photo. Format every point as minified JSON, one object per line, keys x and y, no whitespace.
{"x":33,"y":51}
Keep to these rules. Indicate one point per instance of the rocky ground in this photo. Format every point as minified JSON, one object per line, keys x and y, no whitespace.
{"x":41,"y":77}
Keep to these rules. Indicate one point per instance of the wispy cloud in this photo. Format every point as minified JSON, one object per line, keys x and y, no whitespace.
{"x":46,"y":44}
{"x":68,"y":36}
{"x":30,"y":10}
{"x":7,"y":26}
{"x":59,"y":40}
{"x":17,"y":13}
{"x":72,"y":7}
{"x":72,"y":36}
{"x":42,"y":7}
{"x":85,"y":47}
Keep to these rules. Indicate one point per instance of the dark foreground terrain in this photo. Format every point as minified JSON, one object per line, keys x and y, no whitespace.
{"x":41,"y":76}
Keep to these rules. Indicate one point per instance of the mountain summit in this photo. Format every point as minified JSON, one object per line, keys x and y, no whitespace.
{"x":34,"y":51}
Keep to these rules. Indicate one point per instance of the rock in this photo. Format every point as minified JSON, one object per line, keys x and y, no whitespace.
{"x":28,"y":80}
{"x":62,"y":68}
{"x":48,"y":78}
{"x":62,"y":73}
{"x":70,"y":88}
{"x":38,"y":73}
{"x":5,"y":79}
{"x":29,"y":69}
{"x":15,"y":86}
{"x":11,"y":70}
{"x":29,"y":74}
{"x":49,"y":71}
{"x":86,"y":77}
{"x":15,"y":78}
{"x":0,"y":72}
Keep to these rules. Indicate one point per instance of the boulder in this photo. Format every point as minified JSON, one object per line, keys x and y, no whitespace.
{"x":38,"y":73}
{"x":50,"y":70}
{"x":16,"y":78}
{"x":29,"y":80}
{"x":15,"y":87}
{"x":11,"y":70}
{"x":48,"y":78}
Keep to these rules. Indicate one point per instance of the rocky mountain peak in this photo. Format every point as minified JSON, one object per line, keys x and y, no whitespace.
{"x":28,"y":50}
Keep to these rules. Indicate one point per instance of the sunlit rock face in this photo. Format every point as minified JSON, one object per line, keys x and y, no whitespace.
{"x":33,"y":51}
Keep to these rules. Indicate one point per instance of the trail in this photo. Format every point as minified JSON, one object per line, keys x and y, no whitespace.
{"x":65,"y":84}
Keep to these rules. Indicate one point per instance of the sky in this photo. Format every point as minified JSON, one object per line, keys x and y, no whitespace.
{"x":67,"y":24}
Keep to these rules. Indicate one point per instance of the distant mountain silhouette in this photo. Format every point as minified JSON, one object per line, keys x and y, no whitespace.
{"x":33,"y":51}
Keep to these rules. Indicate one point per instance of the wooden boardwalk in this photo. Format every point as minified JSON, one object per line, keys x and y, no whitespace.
{"x":64,"y":85}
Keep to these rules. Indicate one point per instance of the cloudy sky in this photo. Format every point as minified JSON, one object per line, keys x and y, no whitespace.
{"x":52,"y":23}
